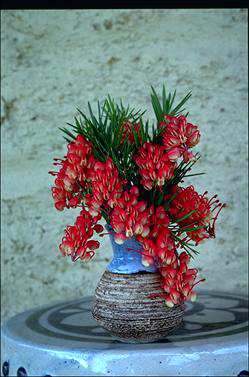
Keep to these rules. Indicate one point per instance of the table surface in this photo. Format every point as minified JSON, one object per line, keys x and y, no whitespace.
{"x":66,"y":340}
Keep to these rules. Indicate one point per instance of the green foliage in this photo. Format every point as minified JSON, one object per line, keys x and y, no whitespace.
{"x":166,"y":106}
{"x":105,"y":132}
{"x":186,"y":246}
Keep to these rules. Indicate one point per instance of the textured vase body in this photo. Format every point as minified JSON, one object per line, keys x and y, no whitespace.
{"x":122,"y":305}
{"x":123,"y":308}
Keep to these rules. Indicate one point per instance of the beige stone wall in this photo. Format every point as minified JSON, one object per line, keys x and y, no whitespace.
{"x":54,"y":61}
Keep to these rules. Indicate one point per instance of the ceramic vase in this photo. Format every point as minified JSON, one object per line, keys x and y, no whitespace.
{"x":122,"y":305}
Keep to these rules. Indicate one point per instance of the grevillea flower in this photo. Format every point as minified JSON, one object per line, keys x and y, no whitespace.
{"x":73,"y":176}
{"x":76,"y":242}
{"x":148,"y":252}
{"x":157,"y":245}
{"x":128,"y":130}
{"x":179,"y":136}
{"x":130,"y":217}
{"x":155,"y":166}
{"x":178,"y":281}
{"x":166,"y":247}
{"x":107,"y":186}
{"x":201,"y":212}
{"x":159,"y":221}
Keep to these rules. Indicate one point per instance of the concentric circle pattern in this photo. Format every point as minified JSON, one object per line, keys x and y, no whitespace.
{"x":213,"y":315}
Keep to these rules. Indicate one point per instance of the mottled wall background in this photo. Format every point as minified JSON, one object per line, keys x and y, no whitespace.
{"x":56,"y":60}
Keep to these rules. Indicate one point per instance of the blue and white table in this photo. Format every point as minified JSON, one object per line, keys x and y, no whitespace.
{"x":64,"y":340}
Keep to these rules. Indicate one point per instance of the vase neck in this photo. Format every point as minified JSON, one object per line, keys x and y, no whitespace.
{"x":127,"y":257}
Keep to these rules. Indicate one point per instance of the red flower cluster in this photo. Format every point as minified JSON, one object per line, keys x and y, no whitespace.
{"x":179,"y":136}
{"x":179,"y":281}
{"x":76,"y":241}
{"x":129,"y":217}
{"x":72,"y":177}
{"x":159,"y":247}
{"x":128,"y":130}
{"x":155,"y":246}
{"x":155,"y":166}
{"x":187,"y":200}
{"x":107,"y":186}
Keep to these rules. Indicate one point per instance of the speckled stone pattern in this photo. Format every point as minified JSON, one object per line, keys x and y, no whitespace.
{"x":124,"y":309}
{"x":56,"y":60}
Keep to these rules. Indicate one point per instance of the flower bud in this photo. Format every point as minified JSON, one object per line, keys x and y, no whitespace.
{"x":119,"y":238}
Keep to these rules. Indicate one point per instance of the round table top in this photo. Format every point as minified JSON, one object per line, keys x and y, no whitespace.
{"x":66,"y":340}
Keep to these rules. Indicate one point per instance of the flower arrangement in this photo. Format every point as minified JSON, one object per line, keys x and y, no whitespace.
{"x":119,"y":168}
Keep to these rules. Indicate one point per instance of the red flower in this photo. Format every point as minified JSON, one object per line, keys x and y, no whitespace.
{"x":130,"y":217}
{"x":129,"y":129}
{"x":203,"y":212}
{"x":154,"y":165}
{"x":76,"y":242}
{"x":159,"y":221}
{"x":148,"y":252}
{"x":179,"y":136}
{"x":166,"y":249}
{"x":157,"y":241}
{"x":73,"y":176}
{"x":178,"y":281}
{"x":107,"y":186}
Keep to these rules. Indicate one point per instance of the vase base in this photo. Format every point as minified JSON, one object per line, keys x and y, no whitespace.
{"x":136,"y":341}
{"x":124,"y":309}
